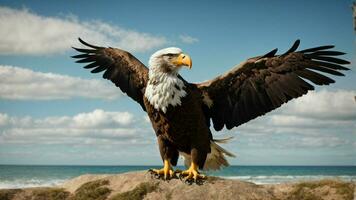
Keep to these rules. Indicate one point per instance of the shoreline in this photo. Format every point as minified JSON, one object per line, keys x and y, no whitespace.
{"x":16,"y":176}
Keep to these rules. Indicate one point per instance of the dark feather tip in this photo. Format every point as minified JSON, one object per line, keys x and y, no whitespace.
{"x":89,"y":45}
{"x":91,"y":65}
{"x":331,"y":59}
{"x":80,"y":56}
{"x":328,"y":53}
{"x":317,"y":49}
{"x":270,"y":54}
{"x":293,"y":48}
{"x":85,"y":50}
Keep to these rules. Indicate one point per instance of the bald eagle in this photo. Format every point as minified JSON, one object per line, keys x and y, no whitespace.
{"x":181,"y":113}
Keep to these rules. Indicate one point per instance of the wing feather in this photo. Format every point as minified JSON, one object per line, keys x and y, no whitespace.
{"x":262,"y":84}
{"x":317,"y":49}
{"x":329,"y":65}
{"x":119,"y":66}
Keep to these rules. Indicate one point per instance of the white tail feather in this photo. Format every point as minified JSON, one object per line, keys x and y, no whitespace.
{"x":216,"y":159}
{"x":223,"y":140}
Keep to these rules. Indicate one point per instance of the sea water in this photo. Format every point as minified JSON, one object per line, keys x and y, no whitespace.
{"x":20,"y":176}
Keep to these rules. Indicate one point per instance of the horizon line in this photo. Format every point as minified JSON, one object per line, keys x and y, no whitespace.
{"x":118,"y":165}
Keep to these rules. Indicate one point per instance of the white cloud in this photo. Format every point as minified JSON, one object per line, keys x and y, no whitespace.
{"x":96,"y":119}
{"x":319,"y":119}
{"x":24,"y":84}
{"x":27,"y":33}
{"x":188,"y":39}
{"x":319,"y":110}
{"x":4,"y":119}
{"x":336,"y":105}
{"x":320,"y":142}
{"x":100,"y":117}
{"x":96,"y":127}
{"x":283,"y":121}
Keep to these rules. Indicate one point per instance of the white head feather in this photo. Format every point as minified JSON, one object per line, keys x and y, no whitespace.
{"x":163,"y":92}
{"x":157,"y":59}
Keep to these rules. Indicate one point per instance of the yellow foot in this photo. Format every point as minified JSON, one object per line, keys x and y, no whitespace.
{"x":166,"y":173}
{"x":162,"y":174}
{"x":192,"y":175}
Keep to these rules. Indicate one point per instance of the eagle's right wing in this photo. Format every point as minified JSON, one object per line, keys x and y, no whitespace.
{"x":119,"y":66}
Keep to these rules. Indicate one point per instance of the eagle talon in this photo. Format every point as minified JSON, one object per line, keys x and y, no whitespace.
{"x":157,"y":176}
{"x":192,"y":175}
{"x":166,"y":173}
{"x":200,"y":181}
{"x":162,"y":174}
{"x":181,"y":177}
{"x":189,"y":181}
{"x":154,"y":173}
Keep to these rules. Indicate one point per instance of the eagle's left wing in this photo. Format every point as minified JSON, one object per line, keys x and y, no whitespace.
{"x":264,"y":83}
{"x":119,"y":66}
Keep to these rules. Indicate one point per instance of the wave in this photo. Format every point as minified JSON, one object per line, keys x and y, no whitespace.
{"x":276,"y":179}
{"x":28,"y":183}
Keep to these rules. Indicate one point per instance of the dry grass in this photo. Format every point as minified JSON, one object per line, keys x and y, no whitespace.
{"x":94,"y":190}
{"x":316,"y":190}
{"x":37,"y":194}
{"x":137,"y":193}
{"x":50,"y":194}
{"x":8,"y":194}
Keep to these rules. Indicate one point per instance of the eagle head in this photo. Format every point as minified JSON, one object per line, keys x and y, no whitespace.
{"x":169,"y":60}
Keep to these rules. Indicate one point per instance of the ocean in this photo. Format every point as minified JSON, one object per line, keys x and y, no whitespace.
{"x":21,"y":176}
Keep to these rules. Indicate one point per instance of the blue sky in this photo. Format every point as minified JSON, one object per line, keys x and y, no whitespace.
{"x":52,"y":111}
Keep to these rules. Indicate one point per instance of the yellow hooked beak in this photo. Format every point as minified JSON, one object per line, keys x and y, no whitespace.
{"x":183,"y":60}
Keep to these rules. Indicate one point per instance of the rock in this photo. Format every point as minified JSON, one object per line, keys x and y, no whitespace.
{"x":140,"y":185}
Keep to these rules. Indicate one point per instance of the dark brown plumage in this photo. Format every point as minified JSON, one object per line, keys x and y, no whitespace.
{"x":264,"y":83}
{"x":120,"y":67}
{"x":249,"y":90}
{"x":182,"y":128}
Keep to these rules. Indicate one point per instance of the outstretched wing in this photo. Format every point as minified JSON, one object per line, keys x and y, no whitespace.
{"x":119,"y":66}
{"x":264,"y":83}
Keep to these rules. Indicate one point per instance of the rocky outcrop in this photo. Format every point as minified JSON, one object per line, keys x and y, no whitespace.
{"x":140,"y":185}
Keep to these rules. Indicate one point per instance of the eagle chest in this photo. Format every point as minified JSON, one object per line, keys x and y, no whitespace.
{"x":168,"y":121}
